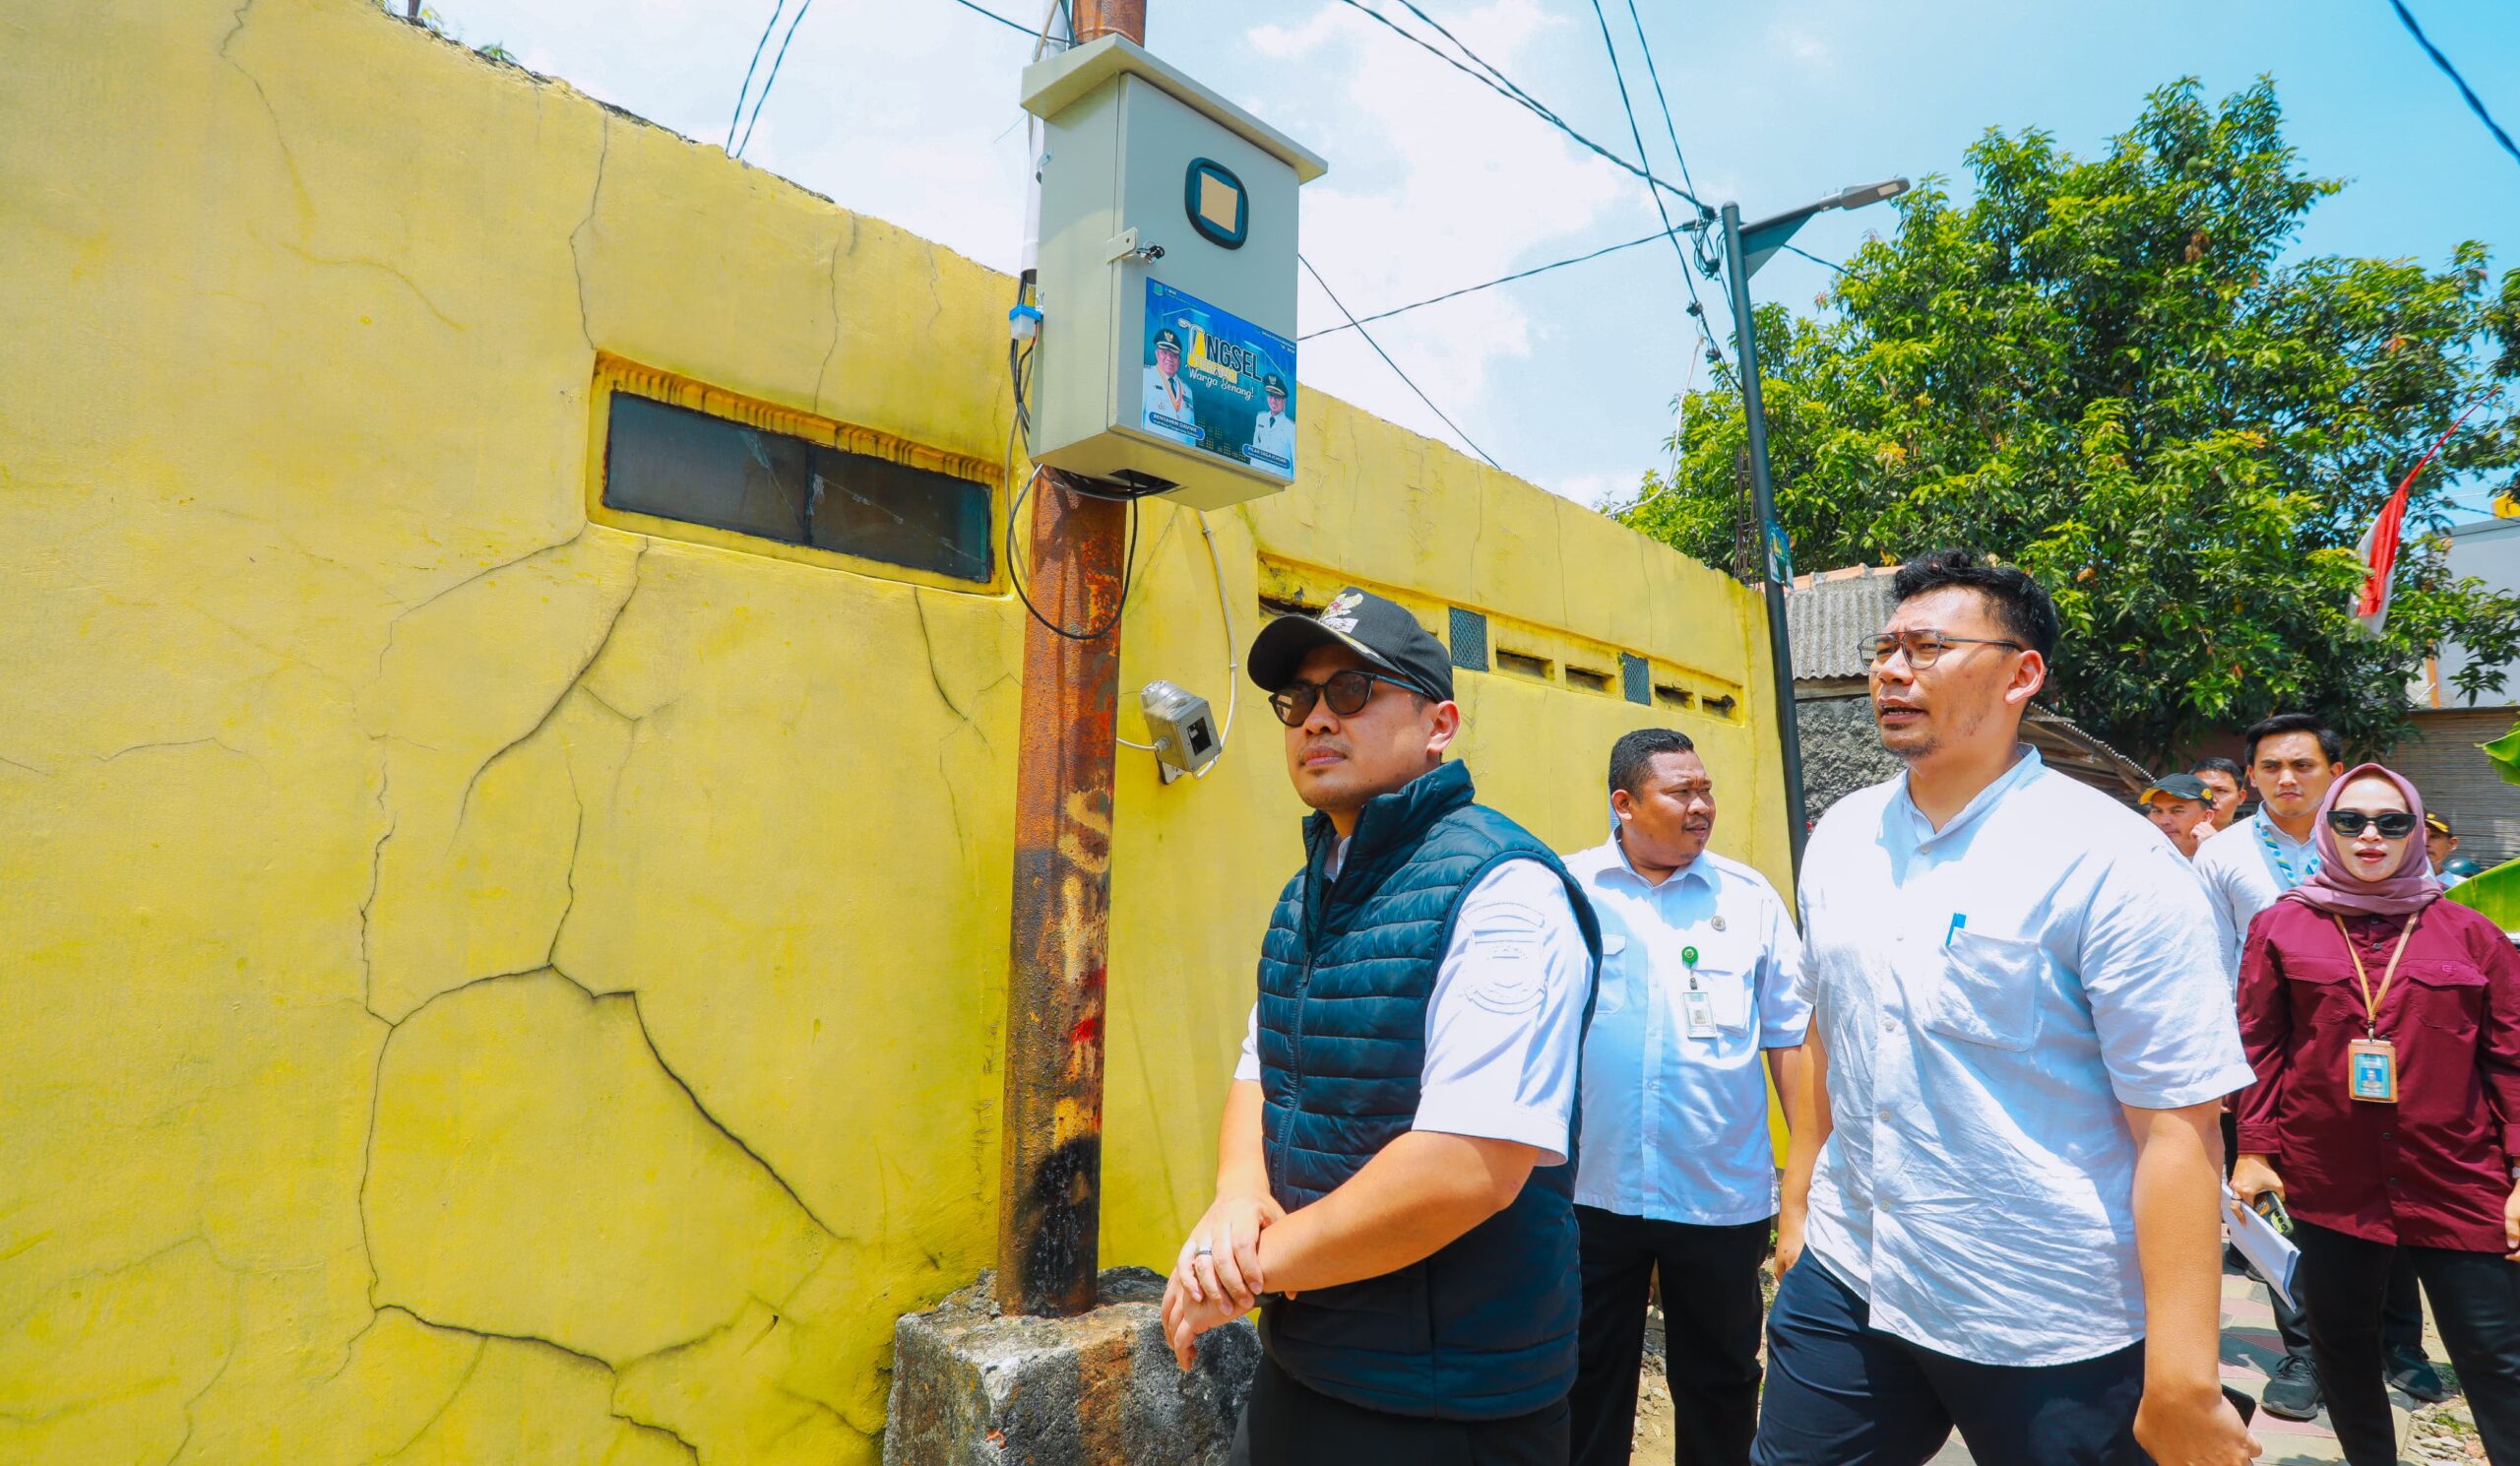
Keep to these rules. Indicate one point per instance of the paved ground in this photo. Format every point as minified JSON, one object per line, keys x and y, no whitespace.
{"x":2250,"y":1348}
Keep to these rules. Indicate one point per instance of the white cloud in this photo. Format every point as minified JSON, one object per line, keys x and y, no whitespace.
{"x":1435,"y":185}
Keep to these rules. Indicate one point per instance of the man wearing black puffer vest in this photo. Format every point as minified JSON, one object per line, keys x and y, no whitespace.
{"x":1394,"y":1172}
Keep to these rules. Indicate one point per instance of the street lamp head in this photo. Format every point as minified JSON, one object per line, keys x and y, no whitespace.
{"x":1870,"y":193}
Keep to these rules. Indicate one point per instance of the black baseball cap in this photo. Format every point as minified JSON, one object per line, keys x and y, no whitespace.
{"x":2178,"y":786}
{"x":1380,"y":631}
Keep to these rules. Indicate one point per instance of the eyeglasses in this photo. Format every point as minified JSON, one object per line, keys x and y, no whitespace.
{"x":1347,"y":690}
{"x":2395,"y":824}
{"x":1925,"y":648}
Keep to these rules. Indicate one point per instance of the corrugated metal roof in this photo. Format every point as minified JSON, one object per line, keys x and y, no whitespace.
{"x":1829,"y":614}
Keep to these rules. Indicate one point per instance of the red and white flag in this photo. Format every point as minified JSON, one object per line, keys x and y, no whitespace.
{"x":2379,"y":547}
{"x":2379,"y":552}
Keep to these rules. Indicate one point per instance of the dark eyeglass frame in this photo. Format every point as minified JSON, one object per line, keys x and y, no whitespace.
{"x":1878,"y":649}
{"x":1348,"y":693}
{"x":2394,"y":824}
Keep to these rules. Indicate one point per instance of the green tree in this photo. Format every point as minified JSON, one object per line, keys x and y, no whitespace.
{"x":2104,"y":371}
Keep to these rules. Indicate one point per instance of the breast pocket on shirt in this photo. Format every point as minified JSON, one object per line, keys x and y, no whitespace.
{"x":1988,"y":991}
{"x":1609,"y":995}
{"x":2447,"y":995}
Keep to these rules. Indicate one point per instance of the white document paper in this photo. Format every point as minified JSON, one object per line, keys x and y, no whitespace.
{"x":2269,"y":1251}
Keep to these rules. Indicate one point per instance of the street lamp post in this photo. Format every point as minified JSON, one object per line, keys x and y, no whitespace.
{"x":1745,"y":249}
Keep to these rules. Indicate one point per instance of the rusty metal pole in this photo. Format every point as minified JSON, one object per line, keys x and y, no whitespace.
{"x":1050,"y":1170}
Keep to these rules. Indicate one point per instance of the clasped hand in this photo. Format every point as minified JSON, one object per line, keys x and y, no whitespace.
{"x":1218,"y":1278}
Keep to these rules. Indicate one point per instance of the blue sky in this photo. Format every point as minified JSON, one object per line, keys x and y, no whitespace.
{"x":905,"y":110}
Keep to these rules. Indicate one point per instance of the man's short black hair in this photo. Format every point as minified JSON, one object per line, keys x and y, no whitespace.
{"x":2221,"y":765}
{"x":2331,"y":742}
{"x":1632,"y":756}
{"x":2021,"y":604}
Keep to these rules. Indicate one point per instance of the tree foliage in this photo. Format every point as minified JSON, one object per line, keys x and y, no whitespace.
{"x":2104,"y":370}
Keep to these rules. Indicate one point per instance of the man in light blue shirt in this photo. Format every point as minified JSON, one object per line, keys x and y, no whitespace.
{"x":1699,"y":970}
{"x":2020,"y":1039}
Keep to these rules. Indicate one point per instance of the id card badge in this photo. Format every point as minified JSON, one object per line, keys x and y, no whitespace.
{"x":1697,"y":1012}
{"x":2371,"y":1070}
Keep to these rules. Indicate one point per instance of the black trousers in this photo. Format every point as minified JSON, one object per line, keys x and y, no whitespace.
{"x":2476,"y":1300}
{"x":1711,"y":1312}
{"x":1287,"y":1423}
{"x":2401,"y":1321}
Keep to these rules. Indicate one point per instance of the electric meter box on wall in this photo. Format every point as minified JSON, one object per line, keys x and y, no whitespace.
{"x":1167,"y":281}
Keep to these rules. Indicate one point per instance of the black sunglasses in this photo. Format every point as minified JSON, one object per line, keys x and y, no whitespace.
{"x":1347,"y":692}
{"x":2395,"y":824}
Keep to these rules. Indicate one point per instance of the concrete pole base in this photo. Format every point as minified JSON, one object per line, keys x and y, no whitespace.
{"x":973,"y":1387}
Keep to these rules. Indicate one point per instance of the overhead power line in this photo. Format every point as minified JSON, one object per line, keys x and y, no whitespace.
{"x":771,"y":79}
{"x":1394,"y":365}
{"x":1814,"y":259}
{"x":1034,"y":32}
{"x":746,"y":88}
{"x":1636,"y":134}
{"x":1672,"y":131}
{"x":1487,"y":284}
{"x":2475,"y":103}
{"x":1523,"y":99}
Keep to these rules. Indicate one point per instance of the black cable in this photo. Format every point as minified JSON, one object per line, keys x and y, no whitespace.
{"x":1018,"y":26}
{"x":1481,"y":62}
{"x":1672,"y":130}
{"x":1619,"y":73}
{"x":1019,"y":365}
{"x":746,"y":88}
{"x":1814,"y":259}
{"x":1394,"y":365}
{"x":2475,"y":103}
{"x":1525,"y":100}
{"x":1490,"y":284}
{"x":771,"y":79}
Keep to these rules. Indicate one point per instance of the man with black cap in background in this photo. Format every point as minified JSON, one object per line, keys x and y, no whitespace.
{"x":1394,"y":1172}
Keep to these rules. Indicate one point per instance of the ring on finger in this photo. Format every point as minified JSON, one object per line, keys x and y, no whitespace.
{"x":1204,"y":1250}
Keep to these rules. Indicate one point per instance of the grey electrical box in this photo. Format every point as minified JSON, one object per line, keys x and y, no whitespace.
{"x":1166,"y":357}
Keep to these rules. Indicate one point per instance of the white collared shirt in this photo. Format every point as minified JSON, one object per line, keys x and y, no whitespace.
{"x":1675,"y":1127}
{"x":1989,"y":995}
{"x":1505,"y":1021}
{"x":2244,"y":878}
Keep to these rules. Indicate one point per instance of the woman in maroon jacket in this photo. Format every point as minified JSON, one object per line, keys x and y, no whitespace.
{"x":2384,"y":1026}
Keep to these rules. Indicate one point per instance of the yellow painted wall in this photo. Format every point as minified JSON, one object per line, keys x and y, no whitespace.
{"x":486,"y":987}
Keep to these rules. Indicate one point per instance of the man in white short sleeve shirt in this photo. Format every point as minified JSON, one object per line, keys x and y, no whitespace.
{"x":1394,"y":1173}
{"x":2020,"y":1039}
{"x":1699,"y":969}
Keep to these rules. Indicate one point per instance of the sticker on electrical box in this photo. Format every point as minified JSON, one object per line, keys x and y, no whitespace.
{"x":1217,"y":383}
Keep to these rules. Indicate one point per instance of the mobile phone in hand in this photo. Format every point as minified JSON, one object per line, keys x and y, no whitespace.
{"x":2271,"y":1206}
{"x":2241,"y":1403}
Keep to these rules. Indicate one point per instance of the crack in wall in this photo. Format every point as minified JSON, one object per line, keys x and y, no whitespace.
{"x":611,"y":624}
{"x":595,"y":197}
{"x":361,"y":262}
{"x":163,"y":743}
{"x":936,"y":673}
{"x":738,"y":1141}
{"x":838,"y":253}
{"x":392,"y":627}
{"x":279,"y":136}
{"x":375,"y":886}
{"x":480,"y":1352}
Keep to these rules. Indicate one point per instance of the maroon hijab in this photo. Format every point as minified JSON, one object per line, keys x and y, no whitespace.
{"x":2407,"y":889}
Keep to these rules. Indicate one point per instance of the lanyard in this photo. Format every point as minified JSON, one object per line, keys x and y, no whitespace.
{"x":2283,"y":864}
{"x":2362,"y":979}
